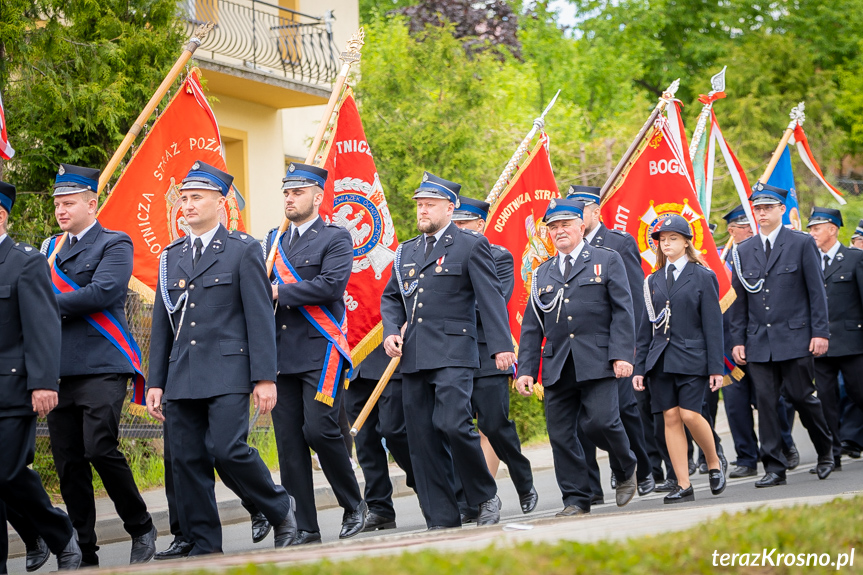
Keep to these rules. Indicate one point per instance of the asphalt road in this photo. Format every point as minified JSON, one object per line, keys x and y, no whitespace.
{"x":237,"y":537}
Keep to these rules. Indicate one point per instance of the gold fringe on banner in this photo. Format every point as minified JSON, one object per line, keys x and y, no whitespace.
{"x":727,"y":300}
{"x":324,"y":398}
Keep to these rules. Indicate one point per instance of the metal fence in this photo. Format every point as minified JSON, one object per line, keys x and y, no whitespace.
{"x":267,"y":38}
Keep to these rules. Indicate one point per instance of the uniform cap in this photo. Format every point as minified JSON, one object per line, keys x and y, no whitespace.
{"x":470,"y":209}
{"x":7,"y":196}
{"x":825,"y":216}
{"x":858,"y":233}
{"x":563,"y":209}
{"x":303,"y":176}
{"x":203,"y":176}
{"x":736,"y":216}
{"x":435,"y":187}
{"x":75,"y":179}
{"x":672,"y":223}
{"x":587,"y":194}
{"x":767,"y":194}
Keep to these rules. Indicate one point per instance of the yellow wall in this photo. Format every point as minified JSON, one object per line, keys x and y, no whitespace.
{"x":255,"y":130}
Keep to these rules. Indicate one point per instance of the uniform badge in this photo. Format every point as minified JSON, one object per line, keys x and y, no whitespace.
{"x":196,"y":166}
{"x":182,"y":284}
{"x":425,"y":177}
{"x":548,"y":288}
{"x":411,"y":273}
{"x":62,"y":170}
{"x":552,"y":204}
{"x":28,"y":249}
{"x":407,"y":285}
{"x":292,"y":168}
{"x":597,"y":270}
{"x":438,"y":269}
{"x":585,"y":255}
{"x":243,"y":236}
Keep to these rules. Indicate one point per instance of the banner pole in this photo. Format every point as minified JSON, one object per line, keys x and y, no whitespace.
{"x":664,"y":100}
{"x":350,"y":56}
{"x":194,"y":42}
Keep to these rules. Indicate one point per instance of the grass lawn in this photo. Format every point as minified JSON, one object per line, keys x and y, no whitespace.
{"x":806,"y":532}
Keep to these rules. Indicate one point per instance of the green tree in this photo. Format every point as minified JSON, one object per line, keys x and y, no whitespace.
{"x":74,"y":75}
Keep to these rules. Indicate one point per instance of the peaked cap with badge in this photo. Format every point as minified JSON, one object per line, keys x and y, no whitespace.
{"x":767,"y":194}
{"x":825,"y":216}
{"x":587,"y":194}
{"x":203,"y":176}
{"x":303,"y":176}
{"x":7,"y":196}
{"x":75,"y":179}
{"x":435,"y":187}
{"x":471,"y":209}
{"x":563,"y":209}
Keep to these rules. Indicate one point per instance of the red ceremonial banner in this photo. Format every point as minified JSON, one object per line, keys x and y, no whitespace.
{"x":515,"y":222}
{"x":145,"y":201}
{"x":659,"y":182}
{"x":355,"y":200}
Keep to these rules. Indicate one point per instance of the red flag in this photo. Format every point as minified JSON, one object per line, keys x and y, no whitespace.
{"x":802,"y":144}
{"x":515,"y":222}
{"x":659,"y":182}
{"x":144,"y":203}
{"x":355,"y":200}
{"x":6,"y":151}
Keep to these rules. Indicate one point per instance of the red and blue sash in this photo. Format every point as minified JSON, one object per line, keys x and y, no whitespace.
{"x":338,"y":351}
{"x":108,"y":326}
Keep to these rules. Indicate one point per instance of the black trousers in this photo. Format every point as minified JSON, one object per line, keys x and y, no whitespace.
{"x":386,"y":422}
{"x":793,"y":379}
{"x":438,"y":415}
{"x":215,"y":430}
{"x":593,"y":405}
{"x":631,"y":419}
{"x":827,"y":371}
{"x":851,"y":426}
{"x":171,"y":494}
{"x":490,"y":402}
{"x":302,"y":423}
{"x":84,"y":430}
{"x":22,"y":492}
{"x":739,"y":398}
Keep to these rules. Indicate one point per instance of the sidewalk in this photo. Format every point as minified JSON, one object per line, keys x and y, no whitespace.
{"x":109,"y":527}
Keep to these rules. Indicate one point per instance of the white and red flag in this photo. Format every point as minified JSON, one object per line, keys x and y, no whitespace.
{"x":802,"y":145}
{"x":6,"y":150}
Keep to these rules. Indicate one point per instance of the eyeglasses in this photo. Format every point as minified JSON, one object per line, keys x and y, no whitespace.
{"x":765,"y":207}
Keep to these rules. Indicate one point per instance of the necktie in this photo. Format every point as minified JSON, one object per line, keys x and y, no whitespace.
{"x":199,"y":247}
{"x":767,"y":249}
{"x":430,"y":240}
{"x":669,"y":278}
{"x":72,"y":241}
{"x":295,"y":235}
{"x":567,"y":268}
{"x":826,"y":262}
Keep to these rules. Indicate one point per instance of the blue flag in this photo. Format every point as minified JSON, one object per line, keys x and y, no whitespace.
{"x":783,"y":177}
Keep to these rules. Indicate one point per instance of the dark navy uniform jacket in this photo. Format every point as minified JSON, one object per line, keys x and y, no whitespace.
{"x":226,"y":340}
{"x":441,"y":311}
{"x":843,"y":281}
{"x":778,"y":322}
{"x":29,"y":328}
{"x":594,"y":324}
{"x":624,"y":244}
{"x":101,"y":264}
{"x":323,"y":256}
{"x":693,"y":343}
{"x":505,"y":270}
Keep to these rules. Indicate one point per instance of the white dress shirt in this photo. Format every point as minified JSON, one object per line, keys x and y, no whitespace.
{"x":563,"y":257}
{"x":772,"y":237}
{"x":677,"y":267}
{"x":206,"y":237}
{"x":831,"y":253}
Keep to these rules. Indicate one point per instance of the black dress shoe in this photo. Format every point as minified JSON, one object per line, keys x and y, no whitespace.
{"x":354,"y":522}
{"x":306,"y":538}
{"x":793,"y":457}
{"x":680,"y":495}
{"x":286,"y":531}
{"x":571,"y":511}
{"x":646,"y":486}
{"x":613,"y":481}
{"x":178,"y":549}
{"x":489,"y":512}
{"x":717,"y":481}
{"x":260,"y":527}
{"x":37,"y":555}
{"x":823,"y":470}
{"x":692,"y":467}
{"x":596,"y":500}
{"x":467,"y":517}
{"x":529,"y":500}
{"x":143,"y":547}
{"x":851,"y":450}
{"x":743,"y":471}
{"x":626,"y":491}
{"x":702,"y":468}
{"x":666,"y":486}
{"x":836,"y":467}
{"x":375,"y":522}
{"x":69,"y":559}
{"x":723,"y":462}
{"x":771,"y":479}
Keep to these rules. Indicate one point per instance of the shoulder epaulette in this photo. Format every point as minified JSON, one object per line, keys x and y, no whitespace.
{"x":44,"y":247}
{"x":603,"y":248}
{"x":25,"y":247}
{"x":618,"y":232}
{"x":176,"y":242}
{"x":241,"y":236}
